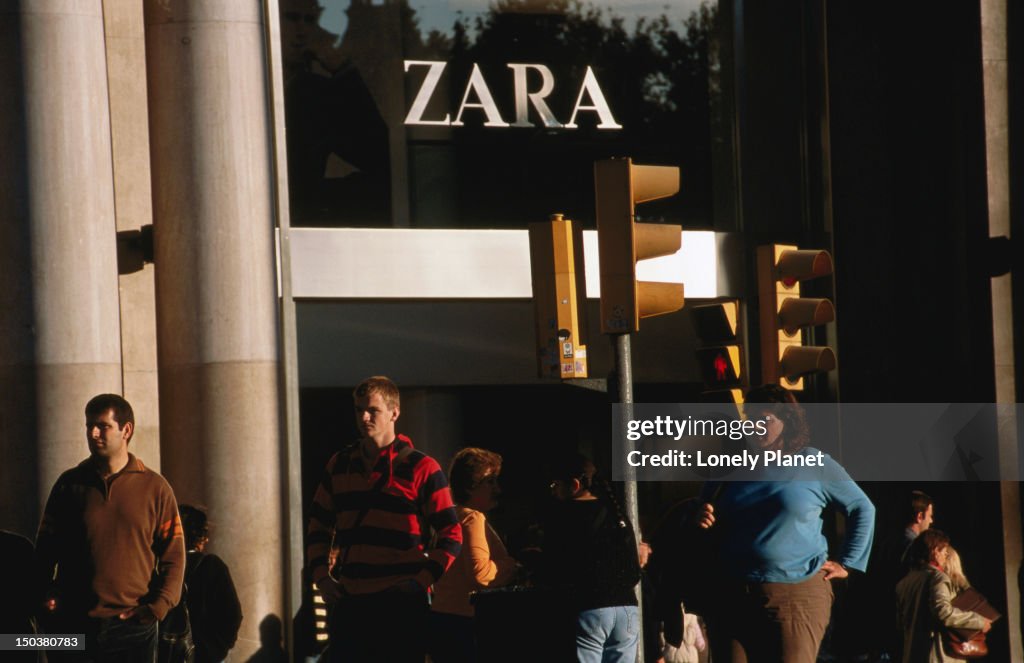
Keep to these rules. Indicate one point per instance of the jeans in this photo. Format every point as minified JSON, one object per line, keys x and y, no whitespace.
{"x":125,"y":641}
{"x":111,"y":640}
{"x":608,"y":635}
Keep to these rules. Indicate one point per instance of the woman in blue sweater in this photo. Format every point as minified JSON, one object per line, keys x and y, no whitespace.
{"x":777,"y":593}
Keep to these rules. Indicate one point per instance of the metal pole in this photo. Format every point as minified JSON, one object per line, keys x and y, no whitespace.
{"x":996,"y":70}
{"x":624,"y":366}
{"x":291,"y":454}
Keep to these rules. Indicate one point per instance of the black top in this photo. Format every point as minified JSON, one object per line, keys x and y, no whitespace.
{"x":590,"y":552}
{"x":213,"y":606}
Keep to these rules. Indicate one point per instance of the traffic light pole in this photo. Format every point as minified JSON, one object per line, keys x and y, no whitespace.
{"x":624,"y":367}
{"x":619,"y":185}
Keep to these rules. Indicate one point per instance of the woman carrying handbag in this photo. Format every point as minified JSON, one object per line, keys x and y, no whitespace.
{"x":924,"y":600}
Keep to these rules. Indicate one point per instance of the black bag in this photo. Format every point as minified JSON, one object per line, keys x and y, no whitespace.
{"x":174,"y":643}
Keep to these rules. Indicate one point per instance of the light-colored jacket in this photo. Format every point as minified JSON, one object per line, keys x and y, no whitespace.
{"x":923,"y":600}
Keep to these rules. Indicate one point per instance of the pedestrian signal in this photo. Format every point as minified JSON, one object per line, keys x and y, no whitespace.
{"x":719,"y":351}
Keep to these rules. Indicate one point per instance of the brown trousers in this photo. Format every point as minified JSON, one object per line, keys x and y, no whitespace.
{"x":771,"y":622}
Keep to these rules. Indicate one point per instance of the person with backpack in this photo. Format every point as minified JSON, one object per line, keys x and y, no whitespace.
{"x":215,"y":614}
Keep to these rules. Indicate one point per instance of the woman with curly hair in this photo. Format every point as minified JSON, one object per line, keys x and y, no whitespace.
{"x":483,"y":561}
{"x":776,"y":595}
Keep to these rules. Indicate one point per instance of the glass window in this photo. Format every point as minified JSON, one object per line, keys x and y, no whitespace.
{"x":490,"y":114}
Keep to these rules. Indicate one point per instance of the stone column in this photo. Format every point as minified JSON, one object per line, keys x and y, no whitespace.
{"x":60,"y":340}
{"x":215,"y":285}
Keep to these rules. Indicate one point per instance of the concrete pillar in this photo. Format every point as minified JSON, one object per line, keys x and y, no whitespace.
{"x":215,"y":286}
{"x":59,"y":327}
{"x":133,"y":204}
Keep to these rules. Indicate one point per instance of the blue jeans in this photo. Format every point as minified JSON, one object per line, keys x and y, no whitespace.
{"x":608,"y":635}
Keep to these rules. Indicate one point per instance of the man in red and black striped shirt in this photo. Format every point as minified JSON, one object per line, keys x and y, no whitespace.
{"x":373,"y":505}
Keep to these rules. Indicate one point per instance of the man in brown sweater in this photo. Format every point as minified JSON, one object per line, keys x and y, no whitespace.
{"x":110,"y":545}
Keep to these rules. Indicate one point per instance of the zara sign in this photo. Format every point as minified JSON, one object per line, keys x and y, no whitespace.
{"x":524,"y":98}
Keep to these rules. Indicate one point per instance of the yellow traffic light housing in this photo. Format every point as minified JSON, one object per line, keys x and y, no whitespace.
{"x":784,"y":314}
{"x":559,"y":297}
{"x":719,"y":355}
{"x":620,"y":185}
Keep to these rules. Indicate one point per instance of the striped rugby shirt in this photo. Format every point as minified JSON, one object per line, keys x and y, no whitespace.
{"x":385,"y":547}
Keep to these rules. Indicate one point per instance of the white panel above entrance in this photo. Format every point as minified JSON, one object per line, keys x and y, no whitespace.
{"x":362,"y":263}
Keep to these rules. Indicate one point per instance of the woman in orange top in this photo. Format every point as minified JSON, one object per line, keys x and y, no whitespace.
{"x":483,"y":562}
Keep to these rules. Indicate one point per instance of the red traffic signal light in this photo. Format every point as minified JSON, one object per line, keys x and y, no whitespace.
{"x":720,"y":357}
{"x":720,"y":367}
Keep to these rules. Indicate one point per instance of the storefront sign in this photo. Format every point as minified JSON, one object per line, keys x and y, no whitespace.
{"x":477,"y":86}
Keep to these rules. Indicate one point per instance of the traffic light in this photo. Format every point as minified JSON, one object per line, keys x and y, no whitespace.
{"x":619,"y":186}
{"x":784,"y":314}
{"x":559,"y":297}
{"x":719,"y":355}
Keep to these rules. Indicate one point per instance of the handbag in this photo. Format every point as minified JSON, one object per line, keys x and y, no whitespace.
{"x":174,"y":642}
{"x":689,"y":650}
{"x":967,"y":644}
{"x":966,"y":648}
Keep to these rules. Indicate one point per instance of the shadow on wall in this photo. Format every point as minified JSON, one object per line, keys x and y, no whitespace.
{"x":271,"y":638}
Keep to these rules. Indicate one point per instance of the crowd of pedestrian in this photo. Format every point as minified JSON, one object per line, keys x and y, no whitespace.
{"x":400,"y":557}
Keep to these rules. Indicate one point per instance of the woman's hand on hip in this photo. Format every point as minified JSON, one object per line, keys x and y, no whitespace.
{"x":834,"y":570}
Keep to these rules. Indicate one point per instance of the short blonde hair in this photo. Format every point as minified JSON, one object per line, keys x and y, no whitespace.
{"x":955,"y":570}
{"x":378,"y":384}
